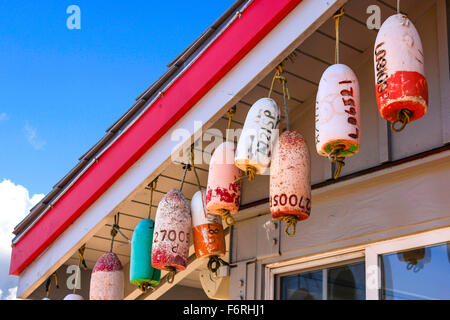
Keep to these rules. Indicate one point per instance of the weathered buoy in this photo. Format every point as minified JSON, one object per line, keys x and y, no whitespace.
{"x":207,"y":229}
{"x":142,"y":274}
{"x":170,"y":248}
{"x":255,"y":144}
{"x":223,"y":196}
{"x":107,"y":279}
{"x":338,"y":132}
{"x":290,"y":180}
{"x":401,"y":86}
{"x":73,"y":296}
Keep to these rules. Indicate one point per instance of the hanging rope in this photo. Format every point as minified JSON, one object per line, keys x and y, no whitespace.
{"x":398,"y":6}
{"x":279,"y":75}
{"x":231,"y":113}
{"x":404,"y":117}
{"x":291,"y":222}
{"x":186,"y":167}
{"x":337,"y":17}
{"x":338,"y":160}
{"x":116,"y":229}
{"x":215,"y":263}
{"x":171,"y":274}
{"x":80,"y":262}
{"x":48,"y":284}
{"x":152,"y":186}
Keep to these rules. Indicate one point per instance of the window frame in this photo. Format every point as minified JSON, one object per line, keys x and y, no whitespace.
{"x":368,"y":253}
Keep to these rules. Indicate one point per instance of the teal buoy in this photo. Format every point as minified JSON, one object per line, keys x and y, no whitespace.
{"x":142,"y":274}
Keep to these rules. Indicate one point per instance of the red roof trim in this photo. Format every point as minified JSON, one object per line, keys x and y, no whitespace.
{"x":228,"y":49}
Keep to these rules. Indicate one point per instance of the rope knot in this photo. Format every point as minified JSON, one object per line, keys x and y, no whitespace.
{"x":339,"y":160}
{"x":404,"y":117}
{"x":291,"y":222}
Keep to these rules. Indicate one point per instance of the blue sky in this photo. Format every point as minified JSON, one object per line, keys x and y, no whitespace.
{"x":60,"y":89}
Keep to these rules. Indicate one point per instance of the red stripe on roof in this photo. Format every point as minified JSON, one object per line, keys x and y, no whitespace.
{"x":228,"y":49}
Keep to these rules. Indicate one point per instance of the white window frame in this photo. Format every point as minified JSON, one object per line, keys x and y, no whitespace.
{"x":373,"y":251}
{"x":368,"y":252}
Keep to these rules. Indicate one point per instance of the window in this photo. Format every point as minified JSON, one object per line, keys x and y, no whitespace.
{"x":343,"y":282}
{"x":418,"y":274}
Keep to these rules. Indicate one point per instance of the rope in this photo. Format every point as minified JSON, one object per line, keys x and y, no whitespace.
{"x":339,"y":160}
{"x":291,"y":221}
{"x":250,"y":173}
{"x":80,"y":261}
{"x":398,"y":6}
{"x":215,"y":263}
{"x":186,"y":167}
{"x":48,"y":284}
{"x":337,"y":17}
{"x":225,"y":214}
{"x":231,"y":113}
{"x":116,"y":229}
{"x":404,"y":117}
{"x":171,"y":274}
{"x":279,"y":75}
{"x":152,"y":187}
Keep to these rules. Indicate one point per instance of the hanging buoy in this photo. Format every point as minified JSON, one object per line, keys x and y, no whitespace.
{"x":142,"y":274}
{"x":401,"y":86}
{"x":338,"y":114}
{"x":170,"y":249}
{"x":290,"y":180}
{"x":223,"y":196}
{"x":253,"y":151}
{"x":107,"y":279}
{"x":73,"y":296}
{"x":207,"y":229}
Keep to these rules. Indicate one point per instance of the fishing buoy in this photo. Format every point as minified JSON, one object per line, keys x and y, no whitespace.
{"x":253,"y":151}
{"x":107,"y":279}
{"x":73,"y":296}
{"x":290,"y":180}
{"x":338,"y":131}
{"x":142,"y":274}
{"x":223,"y":196}
{"x":170,"y":249}
{"x":401,"y":86}
{"x":207,"y":229}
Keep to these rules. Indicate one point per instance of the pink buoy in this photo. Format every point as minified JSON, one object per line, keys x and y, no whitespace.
{"x":223,"y":196}
{"x":107,"y":279}
{"x":290,"y":180}
{"x":170,"y":250}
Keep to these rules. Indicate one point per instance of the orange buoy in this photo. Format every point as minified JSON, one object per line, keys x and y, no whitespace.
{"x":208,"y":233}
{"x":290,"y":180}
{"x":223,"y":196}
{"x":401,"y":86}
{"x":170,"y":249}
{"x":107,"y":279}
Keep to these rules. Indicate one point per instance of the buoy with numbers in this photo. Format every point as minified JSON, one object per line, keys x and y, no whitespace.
{"x":170,"y":250}
{"x":290,"y":180}
{"x":207,"y":228}
{"x":254,"y":149}
{"x":400,"y":83}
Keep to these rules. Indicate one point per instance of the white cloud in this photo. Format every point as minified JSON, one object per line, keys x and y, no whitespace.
{"x":32,"y":137}
{"x":15,"y":204}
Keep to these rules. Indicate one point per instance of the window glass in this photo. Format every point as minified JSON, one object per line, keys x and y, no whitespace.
{"x":419,"y":274}
{"x":346,"y":282}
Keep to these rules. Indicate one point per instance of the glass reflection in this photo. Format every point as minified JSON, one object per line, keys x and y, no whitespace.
{"x":418,"y":274}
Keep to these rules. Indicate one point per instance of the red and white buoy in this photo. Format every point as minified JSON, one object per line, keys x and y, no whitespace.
{"x":107,"y":279}
{"x":223,"y":196}
{"x":253,"y":152}
{"x":170,"y":250}
{"x":207,"y":228}
{"x":401,"y":86}
{"x":338,"y":132}
{"x":290,"y":180}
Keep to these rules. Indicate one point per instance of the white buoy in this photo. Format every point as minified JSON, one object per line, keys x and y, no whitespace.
{"x":401,"y":86}
{"x":338,"y":112}
{"x":256,"y":141}
{"x":73,"y":297}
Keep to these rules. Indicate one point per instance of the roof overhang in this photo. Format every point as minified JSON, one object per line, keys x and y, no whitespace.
{"x":253,"y":44}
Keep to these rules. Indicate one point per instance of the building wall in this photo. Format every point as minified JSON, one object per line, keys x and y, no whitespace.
{"x":401,"y":200}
